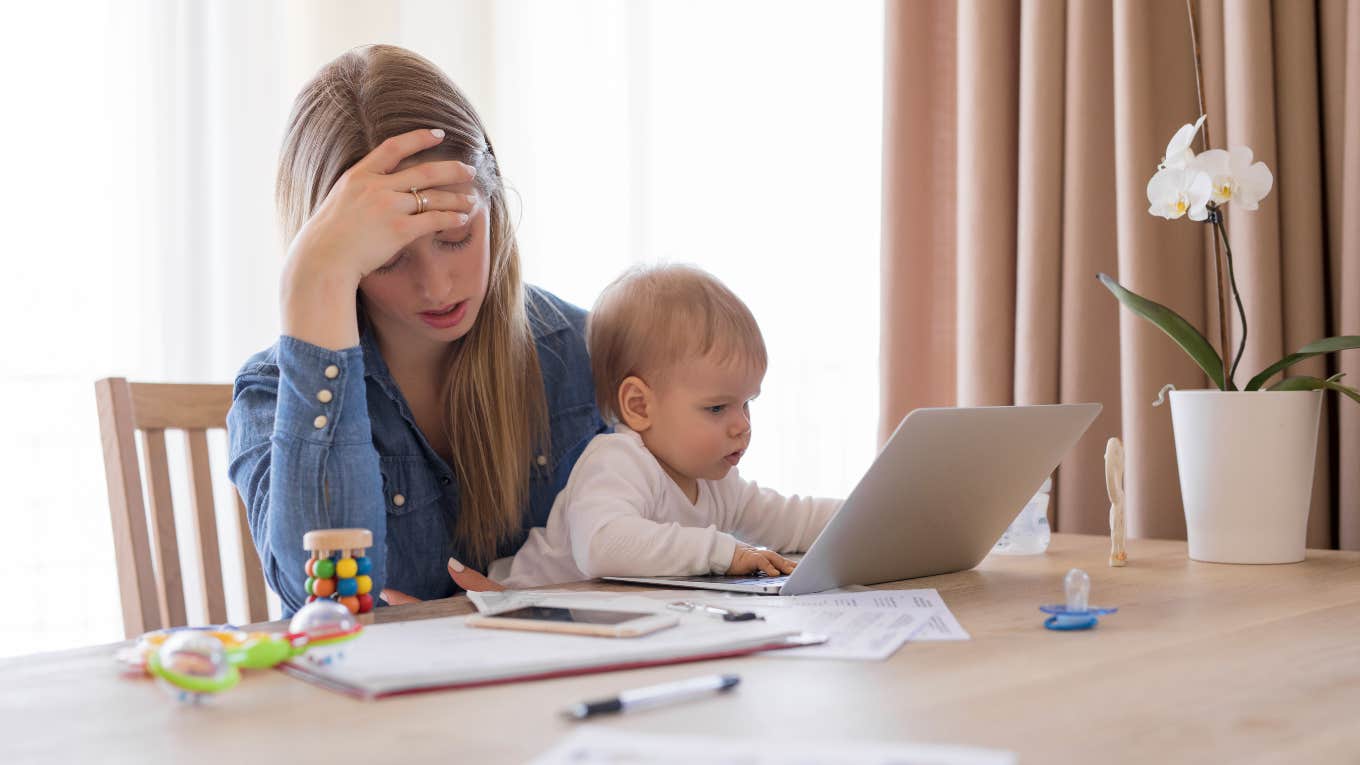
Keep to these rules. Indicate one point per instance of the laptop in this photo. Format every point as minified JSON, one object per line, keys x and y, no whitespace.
{"x":935,"y":500}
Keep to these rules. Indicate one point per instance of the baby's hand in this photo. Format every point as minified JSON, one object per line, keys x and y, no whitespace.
{"x":750,"y":560}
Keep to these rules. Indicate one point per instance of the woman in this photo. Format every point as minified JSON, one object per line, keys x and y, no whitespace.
{"x":418,"y":390}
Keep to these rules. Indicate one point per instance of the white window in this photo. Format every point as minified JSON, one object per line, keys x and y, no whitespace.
{"x":743,"y":137}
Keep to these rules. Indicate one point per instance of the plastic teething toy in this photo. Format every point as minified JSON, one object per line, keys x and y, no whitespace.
{"x":323,"y":627}
{"x":191,"y":662}
{"x":1076,"y":614}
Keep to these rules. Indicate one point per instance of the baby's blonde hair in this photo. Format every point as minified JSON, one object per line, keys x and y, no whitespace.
{"x":653,"y":318}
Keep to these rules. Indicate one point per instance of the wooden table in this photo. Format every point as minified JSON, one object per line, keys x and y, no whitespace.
{"x":1203,"y":662}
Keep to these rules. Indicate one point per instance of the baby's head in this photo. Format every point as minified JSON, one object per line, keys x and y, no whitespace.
{"x":677,"y":357}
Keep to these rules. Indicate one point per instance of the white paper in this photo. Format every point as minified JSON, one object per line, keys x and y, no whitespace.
{"x":867,"y":625}
{"x":861,"y":624}
{"x":593,"y":745}
{"x":854,"y":634}
{"x":940,"y":624}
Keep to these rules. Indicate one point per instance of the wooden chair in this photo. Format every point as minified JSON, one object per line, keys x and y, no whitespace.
{"x":152,"y":589}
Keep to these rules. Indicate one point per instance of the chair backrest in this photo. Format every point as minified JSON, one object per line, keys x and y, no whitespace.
{"x":152,"y":589}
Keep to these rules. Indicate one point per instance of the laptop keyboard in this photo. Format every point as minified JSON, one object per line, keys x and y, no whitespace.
{"x":761,"y":581}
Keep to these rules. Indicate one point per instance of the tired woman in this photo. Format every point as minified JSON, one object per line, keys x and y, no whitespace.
{"x":418,"y":388}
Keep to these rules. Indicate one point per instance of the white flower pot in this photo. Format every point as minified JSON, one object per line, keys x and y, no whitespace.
{"x":1246,"y":465}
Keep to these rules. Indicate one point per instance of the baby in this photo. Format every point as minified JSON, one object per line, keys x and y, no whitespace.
{"x":677,"y":359}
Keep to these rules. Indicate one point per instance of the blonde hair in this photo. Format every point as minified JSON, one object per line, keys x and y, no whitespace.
{"x":495,"y":413}
{"x":654,"y":318}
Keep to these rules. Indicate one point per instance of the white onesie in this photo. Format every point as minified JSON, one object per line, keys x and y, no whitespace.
{"x":620,"y":514}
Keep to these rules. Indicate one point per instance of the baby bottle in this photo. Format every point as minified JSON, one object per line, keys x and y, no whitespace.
{"x":1028,"y":533}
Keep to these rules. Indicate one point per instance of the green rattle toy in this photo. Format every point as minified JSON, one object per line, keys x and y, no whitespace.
{"x":191,"y":663}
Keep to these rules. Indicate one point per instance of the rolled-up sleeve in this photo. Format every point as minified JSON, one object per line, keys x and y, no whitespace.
{"x":302,"y":458}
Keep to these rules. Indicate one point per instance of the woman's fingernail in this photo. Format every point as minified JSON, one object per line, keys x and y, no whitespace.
{"x":463,"y":219}
{"x":438,"y":132}
{"x":383,"y":596}
{"x":455,"y":565}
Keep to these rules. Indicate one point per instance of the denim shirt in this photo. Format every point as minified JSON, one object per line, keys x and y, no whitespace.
{"x":357,"y":460}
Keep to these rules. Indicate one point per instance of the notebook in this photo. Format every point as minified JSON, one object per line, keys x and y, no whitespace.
{"x":445,"y":653}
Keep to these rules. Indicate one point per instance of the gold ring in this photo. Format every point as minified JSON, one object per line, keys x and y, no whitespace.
{"x":422,"y":204}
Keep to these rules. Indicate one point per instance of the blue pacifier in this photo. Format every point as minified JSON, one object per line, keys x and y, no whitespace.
{"x":1076,"y":614}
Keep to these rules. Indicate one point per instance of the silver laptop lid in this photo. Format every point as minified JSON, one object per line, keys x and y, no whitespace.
{"x":946,"y":485}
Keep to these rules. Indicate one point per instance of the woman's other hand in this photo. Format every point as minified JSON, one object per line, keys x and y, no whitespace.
{"x":464,"y":577}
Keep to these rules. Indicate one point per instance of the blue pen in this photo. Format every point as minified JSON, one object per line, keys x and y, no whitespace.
{"x":654,"y":696}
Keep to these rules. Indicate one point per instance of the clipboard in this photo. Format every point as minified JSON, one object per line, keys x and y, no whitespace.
{"x":403,"y":658}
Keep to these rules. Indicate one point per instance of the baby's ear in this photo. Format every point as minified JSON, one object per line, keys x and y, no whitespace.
{"x":635,"y":403}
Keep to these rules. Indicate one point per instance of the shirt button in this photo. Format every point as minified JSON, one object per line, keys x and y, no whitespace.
{"x":320,"y":421}
{"x":332,"y":372}
{"x":542,"y":460}
{"x":398,"y":500}
{"x":324,"y":396}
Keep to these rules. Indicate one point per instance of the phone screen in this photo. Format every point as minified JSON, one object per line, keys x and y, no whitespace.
{"x":573,"y":615}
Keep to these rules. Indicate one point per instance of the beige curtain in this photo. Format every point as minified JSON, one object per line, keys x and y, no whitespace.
{"x":1019,"y":138}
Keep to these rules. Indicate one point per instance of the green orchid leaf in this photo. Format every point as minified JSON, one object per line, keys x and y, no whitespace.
{"x":1325,"y":345}
{"x":1178,"y":329}
{"x":1315,"y":383}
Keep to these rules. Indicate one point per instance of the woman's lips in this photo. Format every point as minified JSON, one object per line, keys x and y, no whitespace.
{"x":449,"y":316}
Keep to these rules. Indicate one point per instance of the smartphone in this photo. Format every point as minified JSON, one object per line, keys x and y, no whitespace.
{"x":576,"y":621}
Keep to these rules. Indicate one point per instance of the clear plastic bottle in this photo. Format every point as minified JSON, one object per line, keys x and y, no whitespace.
{"x":1028,"y":533}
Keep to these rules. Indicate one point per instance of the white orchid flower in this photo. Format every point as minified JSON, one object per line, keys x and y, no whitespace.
{"x":1234,"y":178}
{"x":1178,"y":151}
{"x":1176,"y":191}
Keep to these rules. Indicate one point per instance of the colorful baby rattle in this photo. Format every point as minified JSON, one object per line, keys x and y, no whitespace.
{"x":338,"y":568}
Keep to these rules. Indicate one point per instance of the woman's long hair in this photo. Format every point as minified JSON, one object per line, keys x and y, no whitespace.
{"x":495,"y":414}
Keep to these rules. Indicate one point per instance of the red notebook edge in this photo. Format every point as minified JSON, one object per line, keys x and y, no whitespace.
{"x":301,"y":672}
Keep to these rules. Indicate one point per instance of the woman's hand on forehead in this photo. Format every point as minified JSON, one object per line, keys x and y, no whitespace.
{"x":378,"y":206}
{"x":370,"y":214}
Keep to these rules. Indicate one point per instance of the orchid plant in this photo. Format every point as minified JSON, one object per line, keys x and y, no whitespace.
{"x":1200,"y":187}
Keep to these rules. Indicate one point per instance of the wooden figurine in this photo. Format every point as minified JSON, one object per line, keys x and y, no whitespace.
{"x":338,"y":569}
{"x":1114,"y":485}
